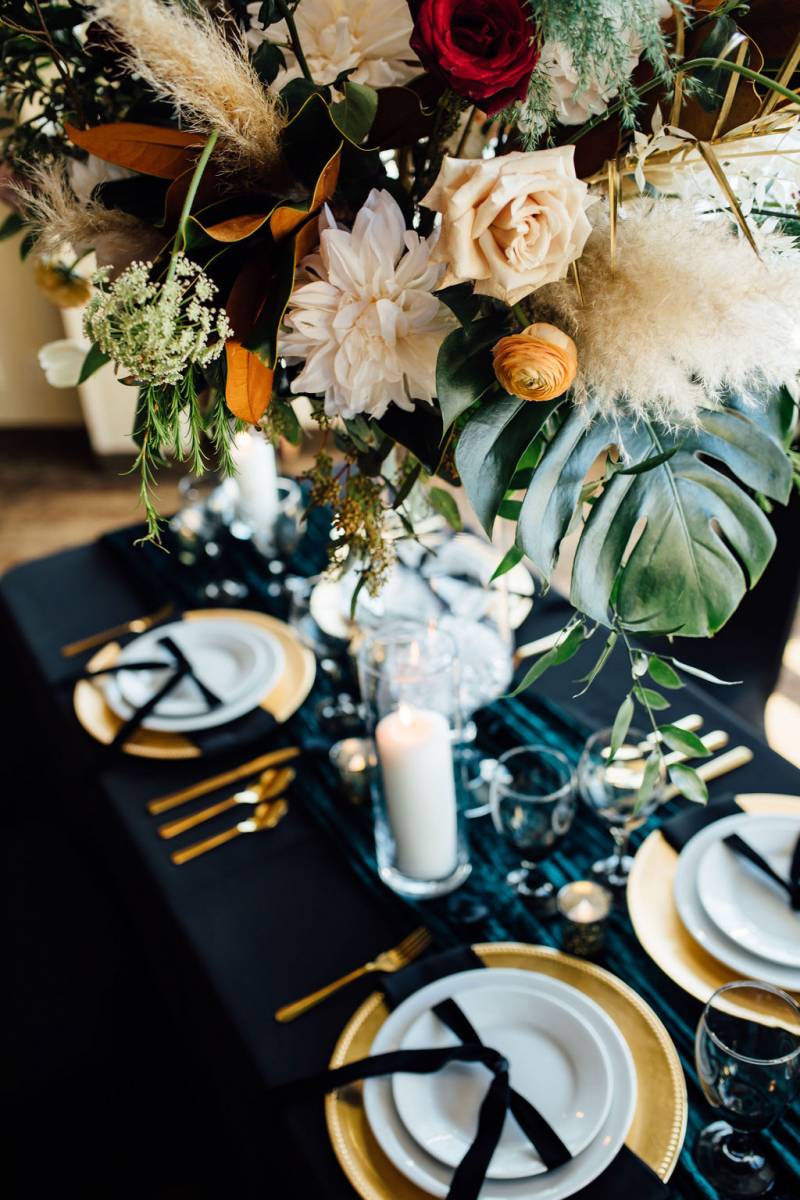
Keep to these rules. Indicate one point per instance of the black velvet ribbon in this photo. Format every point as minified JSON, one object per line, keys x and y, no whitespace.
{"x":181,"y":669}
{"x":470,"y":1174}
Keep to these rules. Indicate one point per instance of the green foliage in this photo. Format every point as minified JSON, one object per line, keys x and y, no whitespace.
{"x":507,"y":563}
{"x":622,"y":723}
{"x":464,"y":371}
{"x":705,"y":539}
{"x":662,"y":673}
{"x":568,"y":646}
{"x":688,"y":783}
{"x":353,"y":116}
{"x":445,"y":506}
{"x":650,"y":699}
{"x":95,"y":359}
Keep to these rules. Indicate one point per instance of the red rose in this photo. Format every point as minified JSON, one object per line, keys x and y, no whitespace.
{"x":483,"y":49}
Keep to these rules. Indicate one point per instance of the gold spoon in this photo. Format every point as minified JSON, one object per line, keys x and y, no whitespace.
{"x":265,"y":816}
{"x":268,"y":785}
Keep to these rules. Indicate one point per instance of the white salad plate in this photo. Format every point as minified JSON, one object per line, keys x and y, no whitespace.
{"x":744,"y":902}
{"x":433,"y":1176}
{"x":239,"y":662}
{"x":698,"y":923}
{"x":559,"y":1066}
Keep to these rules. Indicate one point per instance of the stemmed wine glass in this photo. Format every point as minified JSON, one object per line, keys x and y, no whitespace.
{"x":533,"y":804}
{"x":747,"y":1052}
{"x":610,"y":786}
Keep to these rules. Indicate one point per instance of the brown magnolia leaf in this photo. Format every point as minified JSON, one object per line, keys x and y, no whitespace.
{"x":209,"y":191}
{"x":149,"y":149}
{"x":248,"y":390}
{"x":235,"y":229}
{"x":285,"y":219}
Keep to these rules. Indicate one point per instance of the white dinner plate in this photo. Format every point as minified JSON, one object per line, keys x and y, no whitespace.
{"x":433,"y":1176}
{"x":239,"y":662}
{"x":741,"y":900}
{"x":703,"y":929}
{"x":559,"y":1066}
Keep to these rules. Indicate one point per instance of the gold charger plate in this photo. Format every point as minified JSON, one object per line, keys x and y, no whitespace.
{"x":659,"y":1123}
{"x":655,"y":917}
{"x":283,"y":699}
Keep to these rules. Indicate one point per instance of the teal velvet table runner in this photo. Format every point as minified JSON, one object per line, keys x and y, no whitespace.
{"x":484,"y":908}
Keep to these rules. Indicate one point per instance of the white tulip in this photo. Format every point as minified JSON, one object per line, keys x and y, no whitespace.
{"x":62,"y":361}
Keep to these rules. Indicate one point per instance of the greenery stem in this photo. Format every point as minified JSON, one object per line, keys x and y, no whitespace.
{"x":761,"y":80}
{"x":294,"y":38}
{"x":180,"y":233}
{"x":462,"y":141}
{"x":520,"y":314}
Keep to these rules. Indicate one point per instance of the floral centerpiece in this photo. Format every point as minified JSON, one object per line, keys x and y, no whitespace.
{"x":546,"y":251}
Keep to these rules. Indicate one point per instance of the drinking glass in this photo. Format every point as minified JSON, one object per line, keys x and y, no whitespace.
{"x":610,"y":787}
{"x":747,"y":1052}
{"x":533,"y":804}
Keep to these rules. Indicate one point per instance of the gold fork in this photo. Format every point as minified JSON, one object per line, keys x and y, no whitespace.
{"x":269,"y":785}
{"x":390,"y":960}
{"x":137,"y":625}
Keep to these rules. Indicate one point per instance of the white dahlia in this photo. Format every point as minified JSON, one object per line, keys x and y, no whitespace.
{"x":367,"y":326}
{"x":368,"y":37}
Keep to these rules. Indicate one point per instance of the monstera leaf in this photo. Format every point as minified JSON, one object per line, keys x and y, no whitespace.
{"x":673,"y":540}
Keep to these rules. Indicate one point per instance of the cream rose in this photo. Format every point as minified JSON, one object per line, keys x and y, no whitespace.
{"x":537,"y":364}
{"x":511,"y":224}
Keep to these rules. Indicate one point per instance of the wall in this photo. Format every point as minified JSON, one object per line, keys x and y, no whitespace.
{"x":27,"y":321}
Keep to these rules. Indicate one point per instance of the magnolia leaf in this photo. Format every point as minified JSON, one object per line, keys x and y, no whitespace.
{"x":95,"y":359}
{"x":268,"y":61}
{"x":353,"y":116}
{"x":149,"y":149}
{"x":462,"y":302}
{"x":650,"y":699}
{"x":464,"y":369}
{"x":683,"y":741}
{"x":507,"y":563}
{"x":405,"y":114}
{"x":445,"y":506}
{"x":688,"y":783}
{"x":662,"y":673}
{"x":561,"y":653}
{"x":248,"y":387}
{"x":622,"y":723}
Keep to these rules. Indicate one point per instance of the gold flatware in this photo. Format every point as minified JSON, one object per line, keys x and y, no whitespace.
{"x":713,"y":768}
{"x":265,"y":816}
{"x":390,"y":960}
{"x":271,"y":759}
{"x":136,"y":625}
{"x":269,"y":785}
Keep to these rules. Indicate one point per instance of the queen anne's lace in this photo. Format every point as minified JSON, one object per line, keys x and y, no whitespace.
{"x":156,"y":331}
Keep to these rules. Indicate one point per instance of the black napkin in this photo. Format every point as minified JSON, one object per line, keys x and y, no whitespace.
{"x":627,"y":1173}
{"x":681,"y":829}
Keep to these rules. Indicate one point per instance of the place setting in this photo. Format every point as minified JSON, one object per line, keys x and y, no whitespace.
{"x":196,"y":686}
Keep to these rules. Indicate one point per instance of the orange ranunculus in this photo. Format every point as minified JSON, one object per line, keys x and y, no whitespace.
{"x":537,"y":364}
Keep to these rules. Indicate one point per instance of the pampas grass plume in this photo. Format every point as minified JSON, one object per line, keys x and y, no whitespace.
{"x":187,"y":60}
{"x":686,"y":310}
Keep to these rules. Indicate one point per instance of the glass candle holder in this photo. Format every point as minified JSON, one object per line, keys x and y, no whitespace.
{"x":584,"y":908}
{"x":409,"y":685}
{"x":355,"y":760}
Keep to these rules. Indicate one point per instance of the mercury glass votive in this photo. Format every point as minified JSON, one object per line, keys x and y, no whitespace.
{"x":354,"y":759}
{"x":584,"y":908}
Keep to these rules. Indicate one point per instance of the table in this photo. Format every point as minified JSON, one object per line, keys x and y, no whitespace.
{"x":247,"y":928}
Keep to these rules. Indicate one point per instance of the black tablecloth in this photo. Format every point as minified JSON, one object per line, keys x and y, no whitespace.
{"x":249,"y":928}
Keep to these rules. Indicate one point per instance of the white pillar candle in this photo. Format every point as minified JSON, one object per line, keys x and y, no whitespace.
{"x":416,"y":758}
{"x":257,"y":478}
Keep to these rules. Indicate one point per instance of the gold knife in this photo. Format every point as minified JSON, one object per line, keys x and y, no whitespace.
{"x":136,"y":625}
{"x":270,"y":759}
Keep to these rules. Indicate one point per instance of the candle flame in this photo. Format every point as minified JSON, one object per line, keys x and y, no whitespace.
{"x":414,"y":654}
{"x":405,"y":714}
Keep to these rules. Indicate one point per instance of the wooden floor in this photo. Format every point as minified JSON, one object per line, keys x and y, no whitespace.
{"x":54,"y":495}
